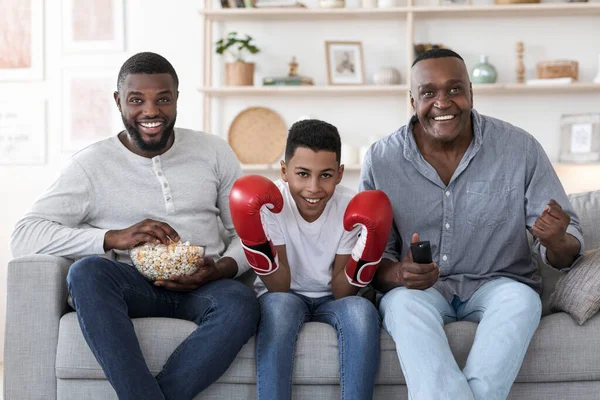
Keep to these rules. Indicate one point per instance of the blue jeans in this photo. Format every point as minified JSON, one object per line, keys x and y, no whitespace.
{"x":106,"y":294}
{"x":508,"y":313}
{"x":356,"y":321}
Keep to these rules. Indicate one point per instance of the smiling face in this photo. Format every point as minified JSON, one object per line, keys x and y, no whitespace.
{"x":148,"y":106}
{"x":312,"y":178}
{"x":442,"y":97}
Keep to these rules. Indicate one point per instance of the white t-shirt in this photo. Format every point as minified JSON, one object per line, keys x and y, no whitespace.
{"x":310,"y":246}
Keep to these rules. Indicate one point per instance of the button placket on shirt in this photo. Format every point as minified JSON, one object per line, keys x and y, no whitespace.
{"x":446,"y":239}
{"x":164,"y":183}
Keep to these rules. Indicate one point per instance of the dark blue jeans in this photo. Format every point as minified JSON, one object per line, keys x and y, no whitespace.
{"x":106,"y":294}
{"x":356,"y":321}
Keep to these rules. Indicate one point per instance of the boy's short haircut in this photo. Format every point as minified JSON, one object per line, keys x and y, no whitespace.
{"x":313,"y":134}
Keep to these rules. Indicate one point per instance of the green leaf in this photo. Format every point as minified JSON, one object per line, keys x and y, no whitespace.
{"x":242,"y":45}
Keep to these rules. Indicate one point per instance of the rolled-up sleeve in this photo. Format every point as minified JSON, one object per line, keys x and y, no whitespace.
{"x":544,"y":185}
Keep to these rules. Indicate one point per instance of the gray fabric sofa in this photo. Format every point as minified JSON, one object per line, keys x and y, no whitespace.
{"x":46,"y":356}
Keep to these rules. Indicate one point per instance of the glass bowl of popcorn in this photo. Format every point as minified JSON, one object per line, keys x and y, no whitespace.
{"x":159,"y":261}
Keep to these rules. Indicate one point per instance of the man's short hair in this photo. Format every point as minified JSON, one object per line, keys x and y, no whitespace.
{"x":146,"y":63}
{"x":436,"y":53}
{"x":313,"y":134}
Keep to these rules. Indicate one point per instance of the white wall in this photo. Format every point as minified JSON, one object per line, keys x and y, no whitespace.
{"x":175,"y":31}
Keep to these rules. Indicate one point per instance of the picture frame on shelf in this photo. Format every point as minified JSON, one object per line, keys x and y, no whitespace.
{"x":580,"y":138}
{"x":89,"y":110}
{"x":95,"y":26}
{"x":345,"y":64}
{"x":23,"y":133}
{"x":22,"y":40}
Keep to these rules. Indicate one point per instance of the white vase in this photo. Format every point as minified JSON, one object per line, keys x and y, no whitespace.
{"x":387,"y":3}
{"x":386,"y":76}
{"x":597,"y":78}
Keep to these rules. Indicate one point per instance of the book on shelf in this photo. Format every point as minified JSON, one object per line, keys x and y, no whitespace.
{"x":549,"y":81}
{"x":236,"y":3}
{"x":287,"y":81}
{"x":277,"y":3}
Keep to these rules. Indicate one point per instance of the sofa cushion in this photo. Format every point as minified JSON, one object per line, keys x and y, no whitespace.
{"x":158,"y":338}
{"x":560,"y":351}
{"x":578,"y":292}
{"x":587,"y":208}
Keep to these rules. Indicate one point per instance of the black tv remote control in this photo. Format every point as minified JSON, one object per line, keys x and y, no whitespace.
{"x":421,"y":252}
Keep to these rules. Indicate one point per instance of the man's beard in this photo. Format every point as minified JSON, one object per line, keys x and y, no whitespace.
{"x":149,"y":147}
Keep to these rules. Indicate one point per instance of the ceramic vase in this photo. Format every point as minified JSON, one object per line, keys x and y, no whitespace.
{"x":484,"y":72}
{"x":239,"y":74}
{"x":387,"y":4}
{"x":386,"y":76}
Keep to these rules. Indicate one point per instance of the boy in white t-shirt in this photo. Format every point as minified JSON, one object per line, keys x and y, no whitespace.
{"x":306,"y":272}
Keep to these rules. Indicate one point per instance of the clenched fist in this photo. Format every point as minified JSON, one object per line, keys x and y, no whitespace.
{"x":551,"y":227}
{"x":147,"y":231}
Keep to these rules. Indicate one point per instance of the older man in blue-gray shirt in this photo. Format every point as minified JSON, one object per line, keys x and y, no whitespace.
{"x":471,"y":185}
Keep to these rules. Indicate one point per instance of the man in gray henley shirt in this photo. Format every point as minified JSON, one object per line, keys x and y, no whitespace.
{"x":150,"y":183}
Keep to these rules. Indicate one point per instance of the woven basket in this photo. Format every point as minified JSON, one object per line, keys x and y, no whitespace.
{"x":558,"y":69}
{"x":257,"y":135}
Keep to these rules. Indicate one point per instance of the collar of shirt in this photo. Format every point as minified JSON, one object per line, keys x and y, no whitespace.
{"x":413,"y":154}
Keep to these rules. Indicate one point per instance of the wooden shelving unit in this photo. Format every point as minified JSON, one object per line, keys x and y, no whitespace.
{"x":410,"y":14}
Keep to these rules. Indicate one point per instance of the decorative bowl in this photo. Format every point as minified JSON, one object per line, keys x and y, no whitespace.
{"x":157,"y":262}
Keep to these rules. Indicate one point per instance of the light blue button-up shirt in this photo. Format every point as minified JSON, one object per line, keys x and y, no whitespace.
{"x":476,"y":224}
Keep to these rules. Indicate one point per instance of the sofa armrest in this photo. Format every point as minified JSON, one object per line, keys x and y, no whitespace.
{"x":36,"y":300}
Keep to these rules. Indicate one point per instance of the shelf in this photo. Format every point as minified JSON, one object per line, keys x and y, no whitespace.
{"x":275,"y":168}
{"x":358,"y":90}
{"x":508,"y":10}
{"x":515,"y":88}
{"x":375,"y":90}
{"x":562,"y":167}
{"x":311,"y":14}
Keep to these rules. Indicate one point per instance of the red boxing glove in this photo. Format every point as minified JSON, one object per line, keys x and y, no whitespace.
{"x":371,"y":209}
{"x":248,"y":195}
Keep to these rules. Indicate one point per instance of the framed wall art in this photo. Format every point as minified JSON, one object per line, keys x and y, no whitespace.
{"x":580,"y":138}
{"x":93,"y":25}
{"x":89,"y":110}
{"x":21,"y":40}
{"x":344,"y":63}
{"x":22,"y":133}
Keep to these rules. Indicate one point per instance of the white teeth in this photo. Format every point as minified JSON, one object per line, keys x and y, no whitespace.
{"x":444,"y":117}
{"x":312,"y":201}
{"x":150,"y":124}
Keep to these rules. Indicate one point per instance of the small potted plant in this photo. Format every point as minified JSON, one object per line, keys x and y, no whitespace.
{"x":239,"y":72}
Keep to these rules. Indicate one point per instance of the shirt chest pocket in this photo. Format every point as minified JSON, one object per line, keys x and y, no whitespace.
{"x":488,"y":203}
